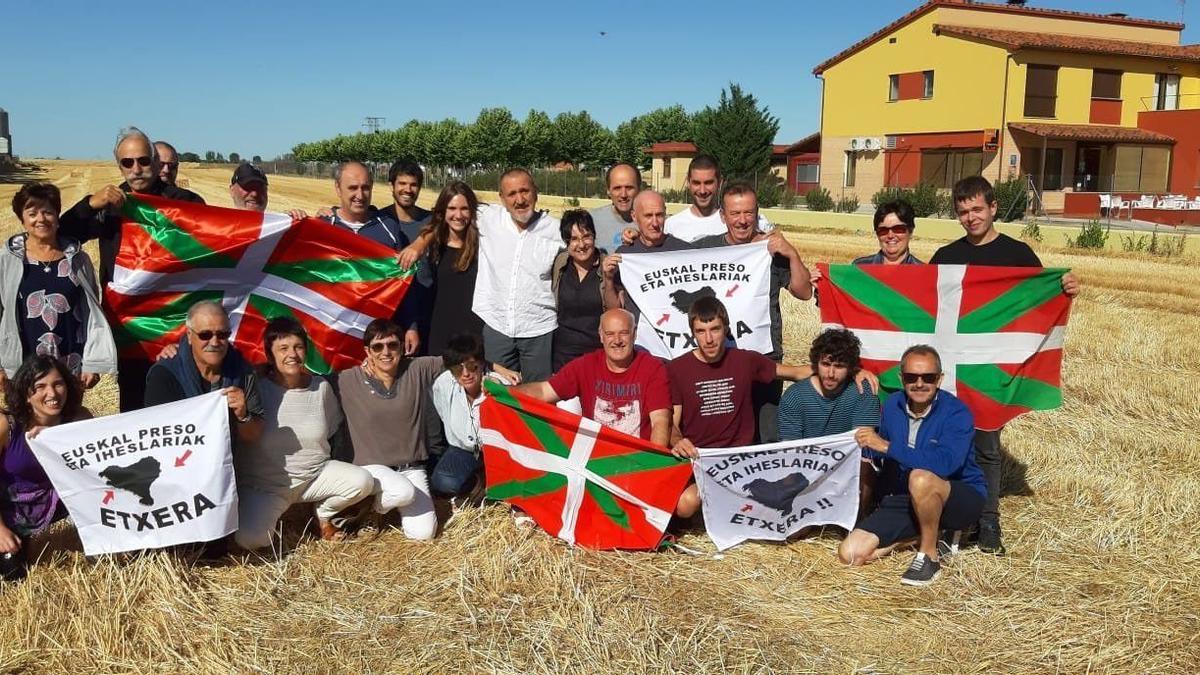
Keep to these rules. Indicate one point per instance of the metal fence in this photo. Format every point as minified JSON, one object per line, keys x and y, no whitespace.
{"x":551,"y":181}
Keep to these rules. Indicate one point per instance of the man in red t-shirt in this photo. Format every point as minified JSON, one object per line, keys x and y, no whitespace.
{"x":711,"y":385}
{"x":622,"y":388}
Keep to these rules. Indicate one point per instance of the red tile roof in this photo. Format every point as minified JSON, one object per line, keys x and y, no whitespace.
{"x":1092,"y":132}
{"x":672,"y":146}
{"x":799,"y":146}
{"x":988,"y":7}
{"x":1014,"y":39}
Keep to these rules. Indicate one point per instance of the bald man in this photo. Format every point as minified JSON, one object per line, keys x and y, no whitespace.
{"x":624,"y":182}
{"x":623,"y":388}
{"x":650,"y":216}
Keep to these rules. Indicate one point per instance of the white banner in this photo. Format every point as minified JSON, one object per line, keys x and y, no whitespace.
{"x":773,"y":491}
{"x":664,"y":286}
{"x":145,"y":479}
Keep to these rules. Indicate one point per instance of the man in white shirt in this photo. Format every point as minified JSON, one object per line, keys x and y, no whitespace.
{"x":703,"y":217}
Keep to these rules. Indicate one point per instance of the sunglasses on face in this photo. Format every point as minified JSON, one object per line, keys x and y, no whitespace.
{"x":206,"y":335}
{"x":168,"y":165}
{"x":927,"y":378}
{"x":894,"y":229}
{"x":128,"y":162}
{"x":390,"y":345}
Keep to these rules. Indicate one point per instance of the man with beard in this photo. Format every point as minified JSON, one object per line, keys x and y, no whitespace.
{"x":97,"y":216}
{"x":624,"y":182}
{"x":406,"y":179}
{"x":248,"y":190}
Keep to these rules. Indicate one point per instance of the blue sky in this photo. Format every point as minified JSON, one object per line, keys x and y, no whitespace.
{"x":258,"y":77}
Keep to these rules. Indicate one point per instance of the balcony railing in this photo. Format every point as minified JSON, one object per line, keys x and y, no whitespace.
{"x":1176,"y":102}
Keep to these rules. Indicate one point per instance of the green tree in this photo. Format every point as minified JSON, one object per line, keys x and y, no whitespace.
{"x":578,"y":139}
{"x":537,"y":133}
{"x":257,"y":159}
{"x":234,"y":158}
{"x":189,"y":157}
{"x":633,"y":137}
{"x":738,"y":133}
{"x":210,"y":156}
{"x":442,"y":145}
{"x":495,"y":138}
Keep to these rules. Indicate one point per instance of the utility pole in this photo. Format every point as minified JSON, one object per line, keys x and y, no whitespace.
{"x":374,"y":123}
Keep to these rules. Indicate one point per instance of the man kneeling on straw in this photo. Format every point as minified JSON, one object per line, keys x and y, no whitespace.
{"x":930,"y":479}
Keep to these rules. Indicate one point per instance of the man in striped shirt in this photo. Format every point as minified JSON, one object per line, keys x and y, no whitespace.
{"x":826,"y":404}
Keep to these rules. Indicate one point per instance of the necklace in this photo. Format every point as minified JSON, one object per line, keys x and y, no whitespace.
{"x":40,"y":263}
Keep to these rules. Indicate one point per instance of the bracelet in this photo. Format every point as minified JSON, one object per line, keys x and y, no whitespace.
{"x":243,"y":420}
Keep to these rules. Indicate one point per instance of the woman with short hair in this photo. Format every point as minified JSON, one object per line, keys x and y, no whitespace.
{"x":42,"y":393}
{"x":291,"y":461}
{"x":578,"y":286}
{"x":49,"y":295}
{"x":894,"y":225}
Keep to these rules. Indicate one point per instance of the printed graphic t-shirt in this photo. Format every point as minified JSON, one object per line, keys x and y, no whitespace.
{"x":717,"y":408}
{"x":619,"y":401}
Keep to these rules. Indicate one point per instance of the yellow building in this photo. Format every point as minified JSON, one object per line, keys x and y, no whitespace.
{"x":1082,"y":103}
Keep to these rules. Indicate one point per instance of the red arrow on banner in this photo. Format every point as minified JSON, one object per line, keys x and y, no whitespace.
{"x":108,"y":497}
{"x":665,"y":318}
{"x":729,"y":293}
{"x":180,"y":460}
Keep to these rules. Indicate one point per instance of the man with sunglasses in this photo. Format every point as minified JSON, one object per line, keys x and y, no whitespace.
{"x":930,"y":479}
{"x":97,"y":216}
{"x":975,"y":204}
{"x":168,"y":162}
{"x":206,"y":361}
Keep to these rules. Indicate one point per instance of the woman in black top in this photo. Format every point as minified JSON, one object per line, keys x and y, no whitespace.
{"x":577,"y":285}
{"x":454,"y":257}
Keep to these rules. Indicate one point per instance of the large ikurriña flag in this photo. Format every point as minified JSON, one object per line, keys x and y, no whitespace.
{"x":582,"y":482}
{"x":999,"y":330}
{"x":259,"y":266}
{"x":664,"y":286}
{"x":773,"y":491}
{"x":151,"y":478}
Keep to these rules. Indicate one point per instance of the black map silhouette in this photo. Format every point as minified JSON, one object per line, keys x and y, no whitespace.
{"x":136,"y":478}
{"x":682,"y":300}
{"x":778,"y":494}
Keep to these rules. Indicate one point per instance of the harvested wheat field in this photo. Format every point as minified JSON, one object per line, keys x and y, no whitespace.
{"x":1100,"y":513}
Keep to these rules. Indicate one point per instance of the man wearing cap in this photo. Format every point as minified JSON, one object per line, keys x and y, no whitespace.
{"x":248,"y":190}
{"x":98,"y":216}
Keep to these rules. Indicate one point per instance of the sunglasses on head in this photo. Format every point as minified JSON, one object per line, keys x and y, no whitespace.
{"x":390,"y":345}
{"x":894,"y":229}
{"x":128,"y":162}
{"x":206,"y":335}
{"x":927,"y":378}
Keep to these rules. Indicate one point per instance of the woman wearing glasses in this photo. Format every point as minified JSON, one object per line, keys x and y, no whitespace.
{"x":894,"y":225}
{"x":577,"y":285}
{"x":48,"y":294}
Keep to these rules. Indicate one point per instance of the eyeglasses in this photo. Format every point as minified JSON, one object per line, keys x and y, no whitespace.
{"x":467,"y":367}
{"x":894,"y":229}
{"x":390,"y":345}
{"x":206,"y":335}
{"x":128,"y":162}
{"x":927,"y":378}
{"x":166,"y":165}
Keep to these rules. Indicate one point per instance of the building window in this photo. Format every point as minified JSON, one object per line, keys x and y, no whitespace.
{"x":1041,"y":90}
{"x":1031,"y":165}
{"x":1106,"y":84}
{"x":851,"y":169}
{"x":666,"y":167}
{"x":808,"y":173}
{"x":945,"y":168}
{"x":893,"y":87}
{"x":1166,"y":91}
{"x":1141,"y":168}
{"x":928,"y":84}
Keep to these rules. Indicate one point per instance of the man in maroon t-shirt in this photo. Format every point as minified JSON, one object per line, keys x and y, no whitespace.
{"x":711,"y":385}
{"x":620,"y":387}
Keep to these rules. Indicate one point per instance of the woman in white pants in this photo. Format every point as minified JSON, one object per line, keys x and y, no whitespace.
{"x":291,"y":461}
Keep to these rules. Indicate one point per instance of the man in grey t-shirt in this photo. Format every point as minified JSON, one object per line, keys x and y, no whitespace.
{"x":624,"y":182}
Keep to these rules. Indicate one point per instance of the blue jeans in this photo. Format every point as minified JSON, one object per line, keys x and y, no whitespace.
{"x":454,"y":472}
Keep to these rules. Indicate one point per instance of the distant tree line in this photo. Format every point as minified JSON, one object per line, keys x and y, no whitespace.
{"x":212,"y":157}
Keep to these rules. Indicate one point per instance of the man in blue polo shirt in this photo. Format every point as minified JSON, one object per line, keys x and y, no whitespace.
{"x":930,"y":479}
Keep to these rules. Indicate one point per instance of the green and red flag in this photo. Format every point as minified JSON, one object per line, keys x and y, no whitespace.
{"x":580,"y":481}
{"x":259,"y":266}
{"x":999,"y":330}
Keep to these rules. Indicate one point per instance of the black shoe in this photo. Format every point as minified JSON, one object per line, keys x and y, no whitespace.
{"x":949,"y":543}
{"x":989,"y":538}
{"x":921,"y":572}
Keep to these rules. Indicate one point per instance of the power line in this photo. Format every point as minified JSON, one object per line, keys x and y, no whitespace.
{"x":374,"y":123}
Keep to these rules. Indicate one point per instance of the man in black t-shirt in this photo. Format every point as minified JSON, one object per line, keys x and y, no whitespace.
{"x":975,"y":204}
